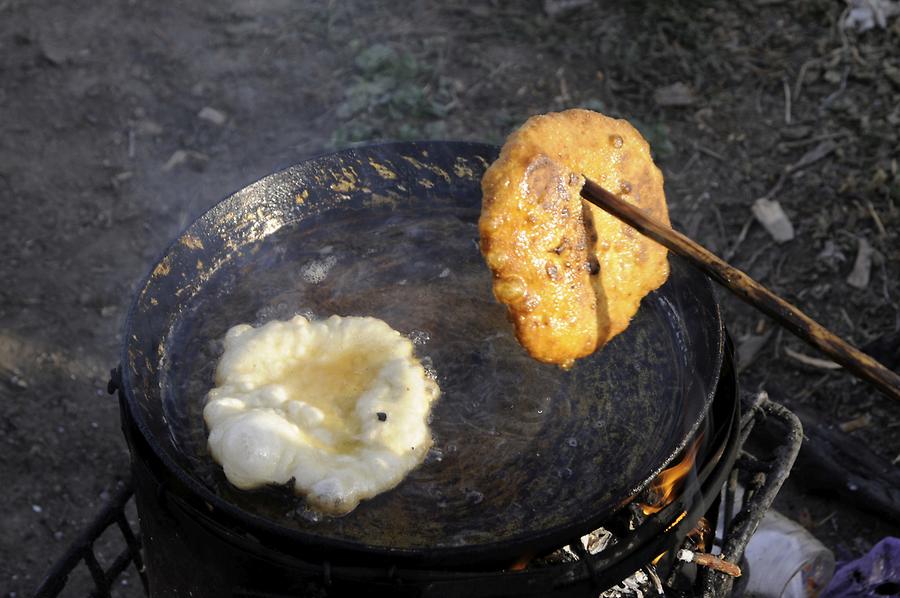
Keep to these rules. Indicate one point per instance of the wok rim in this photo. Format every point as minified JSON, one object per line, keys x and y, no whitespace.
{"x":472,"y":553}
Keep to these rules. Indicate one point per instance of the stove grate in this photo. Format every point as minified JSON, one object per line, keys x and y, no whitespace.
{"x":81,"y":551}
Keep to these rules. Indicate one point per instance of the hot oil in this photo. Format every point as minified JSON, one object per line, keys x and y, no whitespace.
{"x":516,"y":441}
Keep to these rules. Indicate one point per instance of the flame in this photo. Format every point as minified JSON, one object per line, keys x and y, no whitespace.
{"x":700,"y":533}
{"x":521,"y":563}
{"x":667,"y":484}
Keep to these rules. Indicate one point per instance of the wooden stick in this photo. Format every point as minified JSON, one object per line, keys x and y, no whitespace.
{"x":710,"y":560}
{"x":807,"y":329}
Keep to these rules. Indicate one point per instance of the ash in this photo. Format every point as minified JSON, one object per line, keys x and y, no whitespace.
{"x":640,"y":584}
{"x":644,"y":582}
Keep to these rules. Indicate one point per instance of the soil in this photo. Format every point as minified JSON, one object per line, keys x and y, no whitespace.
{"x":108,"y":148}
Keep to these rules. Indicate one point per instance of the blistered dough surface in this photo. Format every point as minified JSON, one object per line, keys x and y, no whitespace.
{"x":339,"y":405}
{"x":571,"y":275}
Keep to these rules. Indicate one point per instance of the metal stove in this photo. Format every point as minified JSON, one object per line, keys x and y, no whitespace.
{"x":758,"y":452}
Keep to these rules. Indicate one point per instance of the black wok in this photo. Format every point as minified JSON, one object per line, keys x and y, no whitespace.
{"x":526,"y":456}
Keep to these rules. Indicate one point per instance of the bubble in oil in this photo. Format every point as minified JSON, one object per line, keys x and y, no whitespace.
{"x":473,"y":497}
{"x":306,"y":313}
{"x":435,"y":455}
{"x":572,"y":442}
{"x":279,"y":311}
{"x":419,"y":337}
{"x":315,"y":271}
{"x":307,"y":514}
{"x":565,"y":473}
{"x":428,"y":366}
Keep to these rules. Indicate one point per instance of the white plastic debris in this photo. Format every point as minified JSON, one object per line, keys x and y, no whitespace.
{"x":862,"y":267}
{"x":769,"y":213}
{"x":783,"y":559}
{"x":867,"y":14}
{"x":210,"y":114}
{"x":786,"y":561}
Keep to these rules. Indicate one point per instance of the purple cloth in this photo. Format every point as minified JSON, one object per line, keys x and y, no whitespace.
{"x":873,"y":575}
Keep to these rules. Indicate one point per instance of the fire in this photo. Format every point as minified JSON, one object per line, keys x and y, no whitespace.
{"x":522,"y":563}
{"x":667,"y":484}
{"x":663,"y":491}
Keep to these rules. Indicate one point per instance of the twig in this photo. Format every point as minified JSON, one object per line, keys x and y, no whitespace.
{"x":835,"y":94}
{"x":812,"y":389}
{"x":801,"y":75}
{"x":847,"y":319}
{"x":777,"y":276}
{"x":854,"y":53}
{"x":884,"y":284}
{"x":825,"y":520}
{"x":822,"y":364}
{"x":687,"y":167}
{"x":857,"y":423}
{"x":710,"y":153}
{"x":878,"y":224}
{"x":719,"y":221}
{"x":756,"y":254}
{"x":807,"y":159}
{"x":488,"y":78}
{"x":711,"y":561}
{"x":839,"y":25}
{"x":811,"y":140}
{"x":777,"y":186}
{"x":787,"y":101}
{"x":812,"y":156}
{"x":564,"y":96}
{"x":740,"y":238}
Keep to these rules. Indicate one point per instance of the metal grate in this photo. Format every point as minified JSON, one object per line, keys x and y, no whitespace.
{"x":762,"y":478}
{"x":82,"y":552}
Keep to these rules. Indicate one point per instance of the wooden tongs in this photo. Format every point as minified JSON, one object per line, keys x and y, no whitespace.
{"x":750,"y":291}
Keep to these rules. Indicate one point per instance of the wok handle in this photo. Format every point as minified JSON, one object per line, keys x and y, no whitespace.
{"x":748,"y":290}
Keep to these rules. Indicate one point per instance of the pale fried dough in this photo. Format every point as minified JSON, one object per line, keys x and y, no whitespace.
{"x":571,"y":275}
{"x":338,"y":408}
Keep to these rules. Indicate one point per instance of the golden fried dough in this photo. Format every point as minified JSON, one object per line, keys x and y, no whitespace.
{"x":571,"y":275}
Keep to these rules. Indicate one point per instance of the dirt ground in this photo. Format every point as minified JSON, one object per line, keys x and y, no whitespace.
{"x":98,"y":98}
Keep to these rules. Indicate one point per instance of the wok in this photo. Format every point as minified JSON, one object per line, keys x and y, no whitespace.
{"x":526,"y":456}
